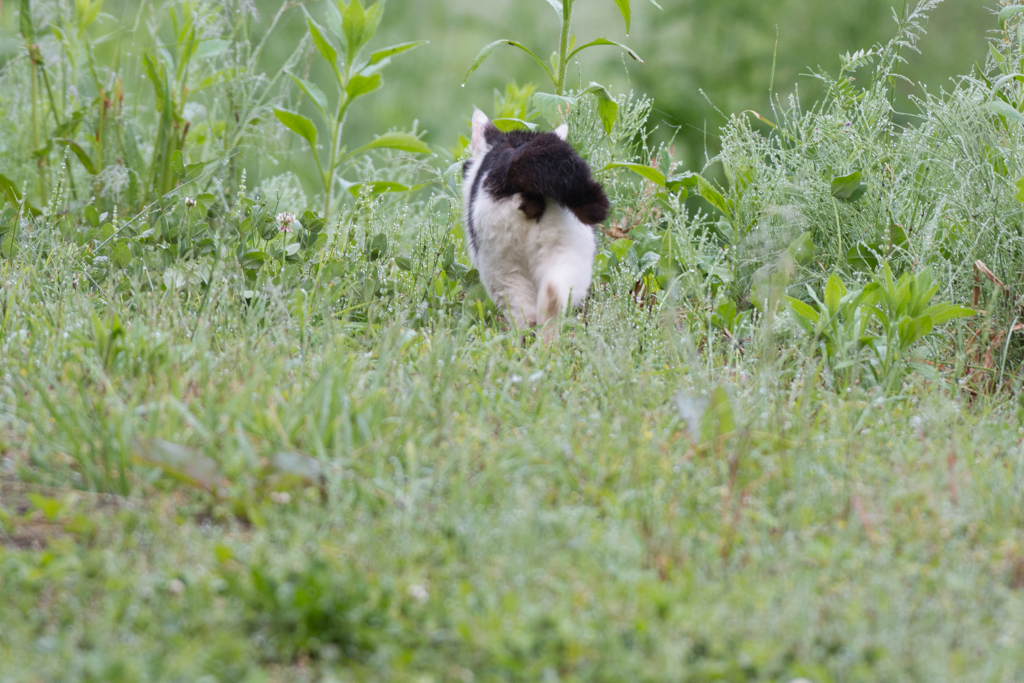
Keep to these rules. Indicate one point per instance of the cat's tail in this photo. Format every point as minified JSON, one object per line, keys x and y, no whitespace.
{"x":587,"y":200}
{"x":553,"y":169}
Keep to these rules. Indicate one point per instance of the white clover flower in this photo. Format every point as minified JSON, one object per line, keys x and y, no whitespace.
{"x":285,"y":220}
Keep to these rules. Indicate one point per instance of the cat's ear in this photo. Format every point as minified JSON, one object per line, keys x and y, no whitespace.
{"x":481,"y":123}
{"x":563,"y":131}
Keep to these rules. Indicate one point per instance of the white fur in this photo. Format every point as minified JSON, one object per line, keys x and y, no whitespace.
{"x":532,"y":269}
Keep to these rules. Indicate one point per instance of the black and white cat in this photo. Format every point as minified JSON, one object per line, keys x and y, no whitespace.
{"x":530,"y":207}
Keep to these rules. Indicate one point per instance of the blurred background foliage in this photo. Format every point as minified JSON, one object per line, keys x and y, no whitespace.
{"x":725,"y":48}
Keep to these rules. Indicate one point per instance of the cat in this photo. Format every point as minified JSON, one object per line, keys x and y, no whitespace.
{"x":530,"y":207}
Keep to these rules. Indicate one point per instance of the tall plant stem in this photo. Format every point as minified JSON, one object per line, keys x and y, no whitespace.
{"x":34,"y":68}
{"x":563,"y":47}
{"x":328,"y":175}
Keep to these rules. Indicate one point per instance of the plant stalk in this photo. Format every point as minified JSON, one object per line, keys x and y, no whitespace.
{"x":563,"y":47}
{"x":339,"y":125}
{"x":34,"y":62}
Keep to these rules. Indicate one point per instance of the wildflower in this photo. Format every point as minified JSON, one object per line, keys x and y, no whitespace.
{"x":285,"y":220}
{"x":190,"y":203}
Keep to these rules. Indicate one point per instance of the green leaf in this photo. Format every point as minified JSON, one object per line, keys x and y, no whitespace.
{"x":1020,"y":191}
{"x":8,"y":247}
{"x":204,"y":202}
{"x":312,"y":222}
{"x":605,"y":41}
{"x":607,"y":108}
{"x":553,"y":107}
{"x":942,"y":313}
{"x":374,"y":13}
{"x":382,"y":187}
{"x":121,"y":255}
{"x":333,"y":20}
{"x":835,"y":290}
{"x":193,"y":171}
{"x":82,"y":155}
{"x":323,"y":46}
{"x":620,"y":247}
{"x":208,"y":49}
{"x":846,"y":187}
{"x":898,"y":236}
{"x":712,"y":196}
{"x":297,"y":124}
{"x":177,"y":164}
{"x":488,"y":49}
{"x":381,"y":55}
{"x":626,"y":11}
{"x":359,"y":25}
{"x":313,"y":92}
{"x":252,"y":260}
{"x":87,"y":12}
{"x":1008,"y":13}
{"x":361,"y":85}
{"x":557,"y":5}
{"x":507,"y":124}
{"x":376,"y":246}
{"x":1000,"y":108}
{"x":92,"y":216}
{"x":50,"y":507}
{"x":10,"y":192}
{"x":25,"y":22}
{"x":912,"y":330}
{"x":682,"y":181}
{"x":863,"y":256}
{"x":804,"y":311}
{"x":996,"y":54}
{"x":401,"y":141}
{"x":157,"y":75}
{"x":652,"y":174}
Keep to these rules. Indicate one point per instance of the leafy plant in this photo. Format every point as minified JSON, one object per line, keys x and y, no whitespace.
{"x":316,"y":607}
{"x":555,"y":106}
{"x":352,"y":27}
{"x":886,"y":318}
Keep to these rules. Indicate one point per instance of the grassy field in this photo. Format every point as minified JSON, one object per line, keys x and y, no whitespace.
{"x":781,"y":441}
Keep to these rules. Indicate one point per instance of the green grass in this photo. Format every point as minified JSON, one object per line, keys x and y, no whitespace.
{"x":463,"y":501}
{"x":230,"y":453}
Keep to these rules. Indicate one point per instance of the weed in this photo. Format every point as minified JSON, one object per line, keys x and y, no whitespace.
{"x":353,"y":26}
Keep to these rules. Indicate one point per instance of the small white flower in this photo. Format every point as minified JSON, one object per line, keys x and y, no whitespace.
{"x":190,"y":203}
{"x":176,"y":586}
{"x":281,"y":497}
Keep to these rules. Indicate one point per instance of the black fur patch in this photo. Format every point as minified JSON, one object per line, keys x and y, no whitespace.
{"x":539,"y":166}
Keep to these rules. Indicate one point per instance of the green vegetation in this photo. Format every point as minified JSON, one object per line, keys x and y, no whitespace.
{"x":259,"y":425}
